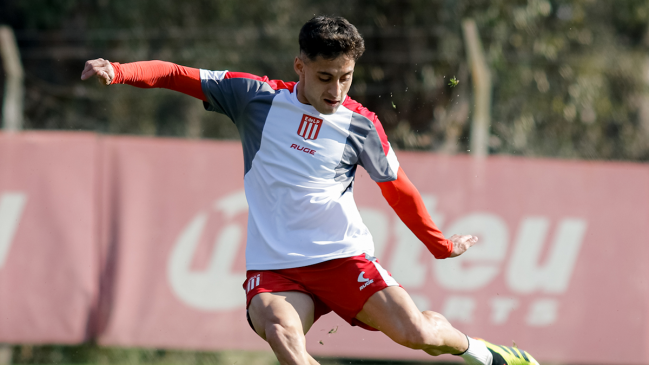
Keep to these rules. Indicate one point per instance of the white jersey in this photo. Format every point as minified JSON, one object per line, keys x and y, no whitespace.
{"x":299,"y":169}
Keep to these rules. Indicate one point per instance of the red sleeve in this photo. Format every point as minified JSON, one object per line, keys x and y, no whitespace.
{"x":274,"y":84}
{"x":404,"y":198}
{"x":159,"y":74}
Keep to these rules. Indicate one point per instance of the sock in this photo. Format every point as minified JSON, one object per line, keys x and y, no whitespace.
{"x":477,"y":353}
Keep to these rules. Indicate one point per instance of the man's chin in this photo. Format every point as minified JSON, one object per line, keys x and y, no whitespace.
{"x":328,"y":109}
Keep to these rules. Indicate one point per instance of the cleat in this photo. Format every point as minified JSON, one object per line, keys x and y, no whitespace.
{"x":509,"y":355}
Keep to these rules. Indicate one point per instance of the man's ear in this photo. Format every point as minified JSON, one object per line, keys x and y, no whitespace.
{"x":298,"y":66}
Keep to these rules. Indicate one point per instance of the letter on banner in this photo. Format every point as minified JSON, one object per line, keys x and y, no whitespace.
{"x":543,"y":312}
{"x":484,"y":257}
{"x":525,"y":273}
{"x":11,"y":208}
{"x":459,"y":309}
{"x":215,"y":288}
{"x":501,"y":308}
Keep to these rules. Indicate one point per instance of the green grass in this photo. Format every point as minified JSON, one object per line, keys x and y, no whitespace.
{"x":92,"y":354}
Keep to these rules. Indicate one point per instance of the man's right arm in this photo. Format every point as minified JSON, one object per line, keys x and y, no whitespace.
{"x":147,"y":74}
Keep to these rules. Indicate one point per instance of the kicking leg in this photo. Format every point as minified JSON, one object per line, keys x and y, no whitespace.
{"x":282,"y":319}
{"x":393,"y":312}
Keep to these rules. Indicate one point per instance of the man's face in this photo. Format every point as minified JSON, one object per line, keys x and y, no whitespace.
{"x":324,"y":83}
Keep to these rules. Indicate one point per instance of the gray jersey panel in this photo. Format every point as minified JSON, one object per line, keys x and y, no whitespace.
{"x":247,"y":103}
{"x":374,"y":160}
{"x":358,"y":130}
{"x":363,"y":147}
{"x":230,"y":96}
{"x":251,"y":125}
{"x":372,"y":156}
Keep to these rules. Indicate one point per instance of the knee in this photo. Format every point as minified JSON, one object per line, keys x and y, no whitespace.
{"x":283,"y":334}
{"x":423,"y":332}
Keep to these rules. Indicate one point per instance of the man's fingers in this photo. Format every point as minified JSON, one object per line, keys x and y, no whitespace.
{"x":464,"y":238}
{"x":90,"y":70}
{"x":87,"y":71}
{"x":462,"y":243}
{"x":87,"y":74}
{"x":99,"y":67}
{"x":469,"y":240}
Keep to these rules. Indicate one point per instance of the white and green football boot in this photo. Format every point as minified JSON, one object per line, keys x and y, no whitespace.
{"x":504,"y":355}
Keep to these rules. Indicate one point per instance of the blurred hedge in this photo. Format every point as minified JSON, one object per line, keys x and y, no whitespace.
{"x":570,"y":77}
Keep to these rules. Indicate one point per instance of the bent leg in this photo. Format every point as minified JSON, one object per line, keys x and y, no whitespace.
{"x":282,"y":319}
{"x":393,"y":312}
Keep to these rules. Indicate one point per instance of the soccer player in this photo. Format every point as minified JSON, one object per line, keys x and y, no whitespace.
{"x":308,"y":251}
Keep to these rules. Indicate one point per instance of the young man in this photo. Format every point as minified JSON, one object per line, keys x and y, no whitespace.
{"x":308,"y":251}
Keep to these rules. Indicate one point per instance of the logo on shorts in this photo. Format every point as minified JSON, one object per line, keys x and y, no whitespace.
{"x":309,"y":127}
{"x":361,"y":279}
{"x":253,"y":282}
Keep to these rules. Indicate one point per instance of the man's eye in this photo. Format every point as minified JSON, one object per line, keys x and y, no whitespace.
{"x":324,"y":80}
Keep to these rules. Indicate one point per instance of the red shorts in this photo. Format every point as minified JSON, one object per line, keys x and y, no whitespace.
{"x":342,"y":285}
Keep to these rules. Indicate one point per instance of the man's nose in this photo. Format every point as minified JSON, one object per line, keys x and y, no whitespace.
{"x":335,"y":88}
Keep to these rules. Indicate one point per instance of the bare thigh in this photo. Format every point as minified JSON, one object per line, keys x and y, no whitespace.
{"x":289,"y":309}
{"x":393,"y":312}
{"x":390,"y":311}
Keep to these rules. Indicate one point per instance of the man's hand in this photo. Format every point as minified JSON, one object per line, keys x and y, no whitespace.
{"x":462,"y":243}
{"x":100,"y":67}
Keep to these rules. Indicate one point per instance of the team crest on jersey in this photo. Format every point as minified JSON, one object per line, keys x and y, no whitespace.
{"x":309,"y":127}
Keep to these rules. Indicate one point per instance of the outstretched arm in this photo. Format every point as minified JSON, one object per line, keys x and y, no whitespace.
{"x":147,"y":74}
{"x":406,"y":201}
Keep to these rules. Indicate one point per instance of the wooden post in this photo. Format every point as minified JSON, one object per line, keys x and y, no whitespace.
{"x":5,"y":354}
{"x":12,"y":106}
{"x":12,"y":112}
{"x":481,"y":77}
{"x":644,"y":99}
{"x":458,"y":114}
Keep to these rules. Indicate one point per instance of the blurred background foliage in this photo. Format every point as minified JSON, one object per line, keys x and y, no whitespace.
{"x":570,"y":77}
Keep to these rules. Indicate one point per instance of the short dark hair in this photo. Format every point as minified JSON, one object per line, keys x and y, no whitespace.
{"x":331,"y":37}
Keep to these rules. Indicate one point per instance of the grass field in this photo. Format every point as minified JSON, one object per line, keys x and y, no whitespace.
{"x":91,"y":354}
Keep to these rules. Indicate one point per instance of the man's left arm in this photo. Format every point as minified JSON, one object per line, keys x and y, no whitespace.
{"x":404,"y":198}
{"x":379,"y":160}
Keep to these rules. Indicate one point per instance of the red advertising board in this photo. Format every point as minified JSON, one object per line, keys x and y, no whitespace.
{"x":174,"y":243}
{"x":558,"y":269}
{"x":48,"y":236}
{"x":156,"y":229}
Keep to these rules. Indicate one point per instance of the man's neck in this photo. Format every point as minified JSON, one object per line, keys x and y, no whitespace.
{"x":300,"y":94}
